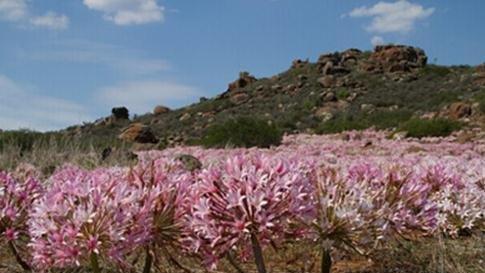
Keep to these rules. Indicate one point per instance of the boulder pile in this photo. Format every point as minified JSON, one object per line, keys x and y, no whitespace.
{"x":395,"y":58}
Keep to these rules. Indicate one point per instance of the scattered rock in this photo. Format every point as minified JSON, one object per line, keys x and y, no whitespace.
{"x":276,"y":87}
{"x":120,"y":113}
{"x":139,"y":133}
{"x":104,"y":121}
{"x":336,"y":63}
{"x":106,"y":153}
{"x":174,"y":140}
{"x":479,"y":75}
{"x":398,"y":135}
{"x":459,"y":110}
{"x":244,"y":80}
{"x":326,"y":68}
{"x":350,"y":55}
{"x":333,"y":58}
{"x":352,"y":97}
{"x":239,"y":98}
{"x":327,"y":81}
{"x":324,"y":114}
{"x":329,"y":96}
{"x":429,"y":115}
{"x":185,"y":116}
{"x":299,"y":63}
{"x":464,"y":137}
{"x":160,"y":109}
{"x":367,"y":108}
{"x":290,"y":88}
{"x":190,"y":162}
{"x":302,"y":78}
{"x":480,"y":68}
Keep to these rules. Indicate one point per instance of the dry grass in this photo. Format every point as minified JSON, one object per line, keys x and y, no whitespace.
{"x":430,"y":255}
{"x":47,"y":156}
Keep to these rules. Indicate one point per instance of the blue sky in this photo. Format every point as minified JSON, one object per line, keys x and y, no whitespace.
{"x":67,"y":61}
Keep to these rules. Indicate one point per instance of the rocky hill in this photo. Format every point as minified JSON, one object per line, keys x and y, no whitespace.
{"x":351,"y":89}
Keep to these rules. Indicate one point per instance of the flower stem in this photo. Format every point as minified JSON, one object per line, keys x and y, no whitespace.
{"x":234,"y":264}
{"x":148,"y":261}
{"x":95,"y":263}
{"x":25,"y":266}
{"x":258,"y":254}
{"x":326,"y":264}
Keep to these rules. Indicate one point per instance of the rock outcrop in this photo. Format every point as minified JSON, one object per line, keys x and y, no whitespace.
{"x":139,"y":133}
{"x":120,"y":113}
{"x":160,"y":109}
{"x":337,"y":63}
{"x":459,"y":110}
{"x":244,"y":80}
{"x":395,"y":58}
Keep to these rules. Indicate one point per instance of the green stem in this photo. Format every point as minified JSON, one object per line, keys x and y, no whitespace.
{"x":326,"y":261}
{"x":25,"y":266}
{"x":234,"y":264}
{"x":148,"y":261}
{"x":175,"y":262}
{"x":258,"y":254}
{"x":95,"y":263}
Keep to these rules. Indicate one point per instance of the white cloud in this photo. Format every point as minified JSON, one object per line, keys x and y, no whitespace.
{"x":377,"y":40}
{"x":129,"y":62}
{"x":13,"y":10}
{"x":51,"y":20}
{"x":141,"y":96}
{"x":20,"y":107}
{"x":128,"y":12}
{"x":18,"y":11}
{"x":399,"y":16}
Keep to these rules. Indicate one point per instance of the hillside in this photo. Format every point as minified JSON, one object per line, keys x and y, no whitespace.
{"x":339,"y":91}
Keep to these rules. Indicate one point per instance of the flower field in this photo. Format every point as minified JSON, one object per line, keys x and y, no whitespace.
{"x":339,"y":194}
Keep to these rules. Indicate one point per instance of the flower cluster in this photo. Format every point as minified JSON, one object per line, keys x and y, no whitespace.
{"x":85,"y":215}
{"x":18,"y":191}
{"x":346,"y":192}
{"x":248,"y":198}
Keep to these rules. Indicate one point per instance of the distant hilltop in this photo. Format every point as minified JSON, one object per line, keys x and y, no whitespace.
{"x":346,"y":90}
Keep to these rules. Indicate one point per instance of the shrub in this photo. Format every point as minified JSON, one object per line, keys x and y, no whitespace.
{"x":360,"y":121}
{"x":389,"y":119}
{"x":342,"y":123}
{"x":22,"y":139}
{"x":242,"y":132}
{"x":430,"y":128}
{"x":342,"y":94}
{"x":480,"y":98}
{"x":435,"y":70}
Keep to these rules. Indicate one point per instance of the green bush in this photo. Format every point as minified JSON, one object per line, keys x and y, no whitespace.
{"x":22,"y":139}
{"x":388,"y":119}
{"x":435,"y":70}
{"x":382,"y":119}
{"x":342,"y":94}
{"x":430,"y":128}
{"x":480,"y":98}
{"x":242,"y":132}
{"x":342,"y":123}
